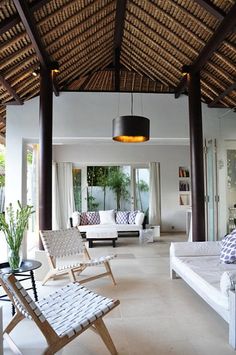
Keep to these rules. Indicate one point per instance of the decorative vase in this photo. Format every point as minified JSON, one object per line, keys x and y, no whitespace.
{"x":15,"y":258}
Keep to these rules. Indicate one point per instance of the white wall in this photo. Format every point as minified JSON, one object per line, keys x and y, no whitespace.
{"x":87,"y":118}
{"x":170,"y":158}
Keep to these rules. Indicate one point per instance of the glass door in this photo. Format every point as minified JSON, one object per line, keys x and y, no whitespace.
{"x":212,"y":197}
{"x":141,"y":189}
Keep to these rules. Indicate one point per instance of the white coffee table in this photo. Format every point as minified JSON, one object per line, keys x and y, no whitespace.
{"x":101,"y":234}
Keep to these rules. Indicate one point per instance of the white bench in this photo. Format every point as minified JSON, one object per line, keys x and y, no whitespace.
{"x":198,"y":264}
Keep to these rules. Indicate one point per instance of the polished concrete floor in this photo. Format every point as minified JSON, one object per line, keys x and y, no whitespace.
{"x":156,"y":315}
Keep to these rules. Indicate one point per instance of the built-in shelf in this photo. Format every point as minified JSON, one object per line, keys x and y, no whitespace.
{"x":184,"y":186}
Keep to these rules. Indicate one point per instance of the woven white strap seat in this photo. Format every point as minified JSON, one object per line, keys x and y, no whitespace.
{"x":60,"y":316}
{"x":90,"y":262}
{"x":63,"y":247}
{"x":73,"y":307}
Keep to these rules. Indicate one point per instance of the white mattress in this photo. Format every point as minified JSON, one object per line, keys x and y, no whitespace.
{"x":203,"y":274}
{"x":117,"y":227}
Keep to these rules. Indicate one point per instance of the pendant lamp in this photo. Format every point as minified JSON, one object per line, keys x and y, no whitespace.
{"x":130,"y":128}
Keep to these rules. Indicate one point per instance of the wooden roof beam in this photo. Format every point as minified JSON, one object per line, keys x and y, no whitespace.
{"x":7,"y":24}
{"x":212,"y":9}
{"x":11,"y":91}
{"x":118,"y":35}
{"x":223,"y":94}
{"x":226,"y":26}
{"x":32,"y":31}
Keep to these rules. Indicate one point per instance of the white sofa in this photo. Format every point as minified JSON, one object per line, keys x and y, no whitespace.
{"x":109,"y":222}
{"x":198,"y":264}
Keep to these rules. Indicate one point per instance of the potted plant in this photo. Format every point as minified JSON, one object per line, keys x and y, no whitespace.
{"x":13,"y":225}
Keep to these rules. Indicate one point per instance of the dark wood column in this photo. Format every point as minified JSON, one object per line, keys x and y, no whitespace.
{"x":45,"y":151}
{"x":196,"y":156}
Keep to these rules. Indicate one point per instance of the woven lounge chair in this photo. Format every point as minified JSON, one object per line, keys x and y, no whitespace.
{"x":64,"y":245}
{"x":61,"y":316}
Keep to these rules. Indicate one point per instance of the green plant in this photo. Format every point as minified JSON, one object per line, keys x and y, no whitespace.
{"x":118,"y":182}
{"x":13,"y":225}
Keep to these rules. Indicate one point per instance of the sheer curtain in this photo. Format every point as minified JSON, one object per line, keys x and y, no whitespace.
{"x":63,"y":195}
{"x":154,"y":194}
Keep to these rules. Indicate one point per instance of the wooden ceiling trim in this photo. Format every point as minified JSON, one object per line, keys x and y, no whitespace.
{"x":12,"y":21}
{"x":31,"y":29}
{"x":226,"y":25}
{"x":177,"y":38}
{"x":10,"y":90}
{"x":85,"y":57}
{"x":103,"y":13}
{"x":20,"y":87}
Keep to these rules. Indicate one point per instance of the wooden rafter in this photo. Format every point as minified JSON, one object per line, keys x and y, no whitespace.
{"x":118,"y":35}
{"x":223,"y":94}
{"x":10,"y":90}
{"x":226,"y":26}
{"x":212,"y":9}
{"x":7,"y":24}
{"x":32,"y":31}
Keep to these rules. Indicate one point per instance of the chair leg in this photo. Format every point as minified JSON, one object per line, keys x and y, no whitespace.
{"x":104,"y":334}
{"x":15,"y":320}
{"x":49,"y":275}
{"x":108,"y":268}
{"x":72,"y":276}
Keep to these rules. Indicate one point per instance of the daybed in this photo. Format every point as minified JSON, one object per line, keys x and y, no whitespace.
{"x":198,"y":264}
{"x":121,"y":221}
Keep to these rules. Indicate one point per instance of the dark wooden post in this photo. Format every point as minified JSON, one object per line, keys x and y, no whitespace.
{"x":45,"y":151}
{"x":196,"y":155}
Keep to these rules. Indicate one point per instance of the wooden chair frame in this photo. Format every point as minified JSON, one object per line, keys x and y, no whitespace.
{"x":79,"y":249}
{"x":28,"y":309}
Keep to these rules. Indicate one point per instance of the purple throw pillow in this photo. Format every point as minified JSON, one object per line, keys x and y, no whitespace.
{"x":132,"y":216}
{"x":228,"y":248}
{"x":93,"y":218}
{"x":122,"y":217}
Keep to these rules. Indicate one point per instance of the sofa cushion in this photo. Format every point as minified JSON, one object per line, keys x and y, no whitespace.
{"x":83,"y":218}
{"x":75,"y":219}
{"x":139,"y":218}
{"x":107,"y":217}
{"x":132,"y":216}
{"x":93,"y":217}
{"x":228,"y":248}
{"x":122,"y":217}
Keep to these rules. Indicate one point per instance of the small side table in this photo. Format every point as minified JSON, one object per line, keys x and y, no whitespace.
{"x":25,"y":272}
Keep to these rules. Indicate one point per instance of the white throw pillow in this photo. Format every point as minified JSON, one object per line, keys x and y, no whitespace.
{"x":107,"y":217}
{"x":227,"y":282}
{"x":139,"y":218}
{"x":75,"y":218}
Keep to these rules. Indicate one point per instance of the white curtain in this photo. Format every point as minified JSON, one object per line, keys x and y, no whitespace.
{"x":63,"y":195}
{"x":154,"y":194}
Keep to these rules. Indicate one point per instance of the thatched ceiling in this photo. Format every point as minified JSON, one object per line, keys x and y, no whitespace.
{"x":116,"y":45}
